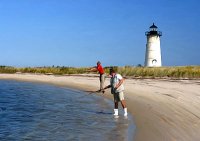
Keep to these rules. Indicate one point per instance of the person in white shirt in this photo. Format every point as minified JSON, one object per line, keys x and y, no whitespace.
{"x":117,"y":89}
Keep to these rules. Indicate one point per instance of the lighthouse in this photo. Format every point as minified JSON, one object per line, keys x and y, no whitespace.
{"x":153,"y":51}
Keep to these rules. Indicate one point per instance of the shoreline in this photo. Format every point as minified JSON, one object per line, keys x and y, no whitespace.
{"x":162,"y":109}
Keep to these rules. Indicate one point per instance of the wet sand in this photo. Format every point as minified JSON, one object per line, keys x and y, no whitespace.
{"x":163,"y":110}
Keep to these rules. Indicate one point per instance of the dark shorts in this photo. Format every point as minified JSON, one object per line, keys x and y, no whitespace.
{"x":119,"y":96}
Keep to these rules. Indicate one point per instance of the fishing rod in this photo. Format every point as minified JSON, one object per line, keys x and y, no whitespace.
{"x":91,"y":92}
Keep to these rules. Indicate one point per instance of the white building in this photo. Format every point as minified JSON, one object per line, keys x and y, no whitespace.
{"x":153,"y":51}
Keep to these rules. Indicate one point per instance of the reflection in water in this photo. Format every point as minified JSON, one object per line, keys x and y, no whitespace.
{"x":30,"y":111}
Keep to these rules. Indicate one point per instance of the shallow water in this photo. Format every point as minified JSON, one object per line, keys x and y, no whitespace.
{"x":34,"y":111}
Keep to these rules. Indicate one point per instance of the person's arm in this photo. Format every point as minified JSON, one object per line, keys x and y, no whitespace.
{"x":93,"y":69}
{"x":107,"y":87}
{"x":119,"y":84}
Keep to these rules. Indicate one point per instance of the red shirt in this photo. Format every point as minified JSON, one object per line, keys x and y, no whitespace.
{"x":100,"y":69}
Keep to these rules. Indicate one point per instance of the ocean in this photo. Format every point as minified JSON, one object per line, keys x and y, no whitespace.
{"x":43,"y":112}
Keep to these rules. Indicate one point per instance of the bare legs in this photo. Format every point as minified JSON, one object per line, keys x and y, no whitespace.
{"x":123,"y":103}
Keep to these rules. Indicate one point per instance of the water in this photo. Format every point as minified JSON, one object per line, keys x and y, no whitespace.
{"x":40,"y":112}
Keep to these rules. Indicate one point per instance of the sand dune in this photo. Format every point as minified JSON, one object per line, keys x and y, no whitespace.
{"x":163,"y":110}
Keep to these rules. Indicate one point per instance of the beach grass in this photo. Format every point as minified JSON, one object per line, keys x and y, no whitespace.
{"x":160,"y":72}
{"x":7,"y":69}
{"x":128,"y":71}
{"x":43,"y":70}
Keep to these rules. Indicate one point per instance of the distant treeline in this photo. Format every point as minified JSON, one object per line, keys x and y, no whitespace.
{"x":128,"y":71}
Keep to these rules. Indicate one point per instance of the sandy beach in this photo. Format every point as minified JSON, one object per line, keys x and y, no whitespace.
{"x":163,"y":110}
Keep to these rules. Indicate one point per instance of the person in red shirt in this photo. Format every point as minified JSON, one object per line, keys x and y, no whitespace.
{"x":100,"y":69}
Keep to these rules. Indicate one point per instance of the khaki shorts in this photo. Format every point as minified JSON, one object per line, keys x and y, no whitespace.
{"x":119,"y":96}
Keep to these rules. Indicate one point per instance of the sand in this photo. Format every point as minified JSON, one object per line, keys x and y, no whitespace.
{"x":163,"y":110}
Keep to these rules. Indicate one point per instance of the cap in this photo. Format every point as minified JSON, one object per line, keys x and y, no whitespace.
{"x":98,"y":62}
{"x":112,"y":70}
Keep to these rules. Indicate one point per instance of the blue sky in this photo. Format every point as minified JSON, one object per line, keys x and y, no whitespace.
{"x":80,"y":32}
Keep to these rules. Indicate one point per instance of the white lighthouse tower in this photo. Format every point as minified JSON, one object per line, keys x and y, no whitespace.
{"x":153,"y":51}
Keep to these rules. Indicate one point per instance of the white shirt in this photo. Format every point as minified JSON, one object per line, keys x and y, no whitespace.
{"x":114,"y":81}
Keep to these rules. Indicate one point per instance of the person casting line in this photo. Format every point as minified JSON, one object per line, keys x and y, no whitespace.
{"x":100,"y":69}
{"x":117,"y":89}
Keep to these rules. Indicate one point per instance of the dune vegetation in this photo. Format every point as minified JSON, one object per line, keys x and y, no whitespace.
{"x":161,"y":72}
{"x":128,"y":71}
{"x":43,"y":70}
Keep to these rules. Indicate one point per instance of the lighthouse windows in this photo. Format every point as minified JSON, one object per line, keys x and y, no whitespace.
{"x":154,"y":61}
